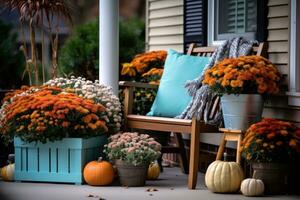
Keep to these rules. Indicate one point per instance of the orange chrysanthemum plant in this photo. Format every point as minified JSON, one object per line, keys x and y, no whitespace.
{"x":50,"y":114}
{"x":271,"y":140}
{"x":243,"y":75}
{"x":145,"y":67}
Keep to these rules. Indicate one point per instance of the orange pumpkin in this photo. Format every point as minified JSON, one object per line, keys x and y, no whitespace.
{"x":98,"y":173}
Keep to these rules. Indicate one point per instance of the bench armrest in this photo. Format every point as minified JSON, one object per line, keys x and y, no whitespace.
{"x":137,"y":84}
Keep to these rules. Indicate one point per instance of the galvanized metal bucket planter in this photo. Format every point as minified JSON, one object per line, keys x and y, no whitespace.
{"x":59,"y":161}
{"x":274,"y":175}
{"x":240,"y":111}
{"x":131,"y":175}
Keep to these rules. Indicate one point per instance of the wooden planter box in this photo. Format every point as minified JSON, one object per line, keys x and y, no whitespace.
{"x":59,"y":161}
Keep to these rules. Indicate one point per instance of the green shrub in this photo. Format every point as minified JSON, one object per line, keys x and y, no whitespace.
{"x":11,"y":58}
{"x":80,"y":54}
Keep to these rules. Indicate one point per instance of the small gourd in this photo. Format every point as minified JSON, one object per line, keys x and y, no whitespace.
{"x":252,"y":187}
{"x":224,"y":177}
{"x":153,"y":171}
{"x":8,"y":172}
{"x":98,"y":173}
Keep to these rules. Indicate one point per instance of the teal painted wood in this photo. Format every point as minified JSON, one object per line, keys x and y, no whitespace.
{"x":59,"y":161}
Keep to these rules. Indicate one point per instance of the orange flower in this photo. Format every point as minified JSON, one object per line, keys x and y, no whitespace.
{"x":92,"y":126}
{"x":262,"y":88}
{"x":46,"y":107}
{"x":293,"y":143}
{"x":271,"y":136}
{"x":225,"y":82}
{"x":87,"y":119}
{"x":247,"y":74}
{"x":236,"y":83}
{"x":284,"y":132}
{"x":142,"y":61}
{"x":212,"y":81}
{"x":65,"y":124}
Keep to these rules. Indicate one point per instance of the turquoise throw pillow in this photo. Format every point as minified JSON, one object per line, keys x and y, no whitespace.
{"x":172,"y":97}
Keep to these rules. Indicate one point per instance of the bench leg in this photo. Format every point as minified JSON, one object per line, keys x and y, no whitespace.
{"x":221,"y":148}
{"x":194,"y":154}
{"x":182,"y":158}
{"x":238,"y":149}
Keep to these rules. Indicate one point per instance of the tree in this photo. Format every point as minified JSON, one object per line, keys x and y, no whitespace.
{"x":11,"y":58}
{"x":80,"y":54}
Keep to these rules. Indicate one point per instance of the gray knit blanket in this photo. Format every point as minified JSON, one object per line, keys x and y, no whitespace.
{"x":202,"y":96}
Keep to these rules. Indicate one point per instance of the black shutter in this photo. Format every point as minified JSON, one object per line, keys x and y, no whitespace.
{"x":195,"y":23}
{"x":262,"y":20}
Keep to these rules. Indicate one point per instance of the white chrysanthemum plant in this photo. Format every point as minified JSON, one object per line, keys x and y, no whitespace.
{"x":97,"y":92}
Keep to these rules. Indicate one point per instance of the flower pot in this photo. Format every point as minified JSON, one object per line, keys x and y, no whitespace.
{"x":240,"y":111}
{"x":131,"y":175}
{"x":58,"y":161}
{"x":274,"y":176}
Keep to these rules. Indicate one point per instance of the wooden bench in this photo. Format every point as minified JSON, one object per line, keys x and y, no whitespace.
{"x":177,"y":126}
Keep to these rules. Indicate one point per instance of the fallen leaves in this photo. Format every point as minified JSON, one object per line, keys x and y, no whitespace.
{"x":95,"y":196}
{"x":151,"y":190}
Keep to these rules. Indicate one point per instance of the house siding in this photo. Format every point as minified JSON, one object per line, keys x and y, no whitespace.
{"x":278,"y":50}
{"x":278,"y":33}
{"x":164,"y":25}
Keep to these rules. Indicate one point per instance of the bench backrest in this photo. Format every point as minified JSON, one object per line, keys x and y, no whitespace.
{"x":260,"y":50}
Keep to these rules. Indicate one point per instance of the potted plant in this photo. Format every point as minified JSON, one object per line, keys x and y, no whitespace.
{"x":271,"y":145}
{"x":57,"y":130}
{"x":242,"y":82}
{"x":132,"y":153}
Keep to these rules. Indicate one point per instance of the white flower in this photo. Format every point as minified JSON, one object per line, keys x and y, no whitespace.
{"x":96,"y":91}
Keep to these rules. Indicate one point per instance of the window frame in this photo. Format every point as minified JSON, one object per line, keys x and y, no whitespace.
{"x":260,"y":35}
{"x":294,"y":62}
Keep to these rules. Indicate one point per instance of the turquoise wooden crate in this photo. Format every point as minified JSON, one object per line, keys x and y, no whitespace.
{"x":59,"y":161}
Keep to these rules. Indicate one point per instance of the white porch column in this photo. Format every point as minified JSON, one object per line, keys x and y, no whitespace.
{"x":109,"y":43}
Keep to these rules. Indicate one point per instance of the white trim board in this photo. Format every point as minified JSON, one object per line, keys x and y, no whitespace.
{"x":294,"y":75}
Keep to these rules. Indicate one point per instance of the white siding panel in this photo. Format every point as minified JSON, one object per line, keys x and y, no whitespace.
{"x":278,"y":11}
{"x":168,"y":30}
{"x":166,"y":47}
{"x":279,"y":58}
{"x":165,"y":4}
{"x":278,"y":23}
{"x":164,"y":30}
{"x":277,"y":2}
{"x":174,"y":39}
{"x":278,"y":35}
{"x":281,"y":46}
{"x":167,"y":21}
{"x":166,"y":12}
{"x":284,"y":113}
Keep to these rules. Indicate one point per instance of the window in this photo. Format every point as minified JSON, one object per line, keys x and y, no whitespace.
{"x":232,"y":18}
{"x":235,"y":17}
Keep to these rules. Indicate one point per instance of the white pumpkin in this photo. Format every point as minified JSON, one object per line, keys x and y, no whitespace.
{"x":224,"y":177}
{"x":8,"y":172}
{"x":252,"y":187}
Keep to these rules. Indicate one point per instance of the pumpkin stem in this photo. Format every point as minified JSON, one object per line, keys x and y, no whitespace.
{"x":100,"y":159}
